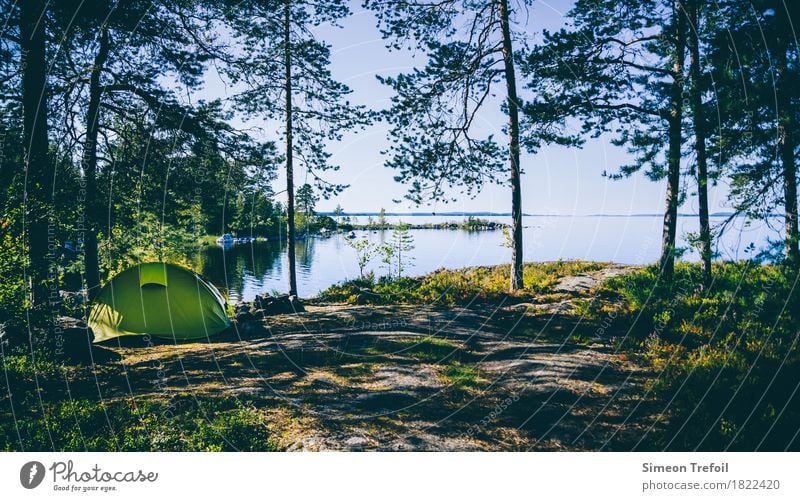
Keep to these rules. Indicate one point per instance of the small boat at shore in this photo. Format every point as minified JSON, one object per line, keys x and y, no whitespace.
{"x":225,"y":239}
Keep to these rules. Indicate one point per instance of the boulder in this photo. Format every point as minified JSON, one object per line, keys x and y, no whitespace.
{"x":244,"y":316}
{"x":280,"y":305}
{"x":76,"y":344}
{"x":366,"y":296}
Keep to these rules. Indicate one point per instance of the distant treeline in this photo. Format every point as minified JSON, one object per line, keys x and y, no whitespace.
{"x":469,"y":224}
{"x":418,"y":214}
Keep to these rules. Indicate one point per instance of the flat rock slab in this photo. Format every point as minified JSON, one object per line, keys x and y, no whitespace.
{"x":586,"y":282}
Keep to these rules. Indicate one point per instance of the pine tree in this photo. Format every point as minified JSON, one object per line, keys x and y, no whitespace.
{"x":284,"y":75}
{"x":620,"y":67}
{"x":306,"y":199}
{"x":337,"y":213}
{"x":382,"y":219}
{"x":397,"y":252}
{"x":124,"y":48}
{"x":754,"y":70}
{"x":472,"y":49}
{"x":698,"y":110}
{"x":32,"y":19}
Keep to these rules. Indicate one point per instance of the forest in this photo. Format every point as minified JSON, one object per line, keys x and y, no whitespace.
{"x":108,"y":159}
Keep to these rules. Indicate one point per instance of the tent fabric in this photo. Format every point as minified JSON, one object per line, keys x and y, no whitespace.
{"x":153,"y":275}
{"x":158,"y":299}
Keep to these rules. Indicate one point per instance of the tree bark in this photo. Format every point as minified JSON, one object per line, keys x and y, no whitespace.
{"x":786,"y":146}
{"x":38,"y":195}
{"x":92,"y":203}
{"x":513,"y":130}
{"x":674,"y":152}
{"x":289,"y":167}
{"x":700,"y":143}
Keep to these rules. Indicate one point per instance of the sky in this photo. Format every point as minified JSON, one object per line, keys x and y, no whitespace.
{"x":556,"y":180}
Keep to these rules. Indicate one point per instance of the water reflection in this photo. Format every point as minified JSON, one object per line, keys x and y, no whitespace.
{"x":232,"y":267}
{"x":244,"y":270}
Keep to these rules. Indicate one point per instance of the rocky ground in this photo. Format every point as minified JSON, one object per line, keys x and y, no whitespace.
{"x":531,"y":376}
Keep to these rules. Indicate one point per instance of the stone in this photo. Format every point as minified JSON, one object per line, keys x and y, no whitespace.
{"x":77,"y":344}
{"x":280,"y":305}
{"x":245,"y":316}
{"x":241,"y":308}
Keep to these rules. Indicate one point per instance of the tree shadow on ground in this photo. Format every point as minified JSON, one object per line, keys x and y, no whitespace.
{"x":399,"y":378}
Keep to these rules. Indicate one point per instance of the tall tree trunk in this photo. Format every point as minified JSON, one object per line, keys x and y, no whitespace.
{"x":700,"y":142}
{"x":38,"y":195}
{"x":786,"y":146}
{"x":674,"y":153}
{"x":92,"y":202}
{"x":513,"y":130}
{"x":287,"y":54}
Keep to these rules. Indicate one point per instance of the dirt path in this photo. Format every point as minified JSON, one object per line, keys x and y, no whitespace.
{"x":409,"y":378}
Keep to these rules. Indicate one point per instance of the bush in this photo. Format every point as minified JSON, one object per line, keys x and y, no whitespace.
{"x":149,"y":241}
{"x":126,"y":425}
{"x":457,"y":287}
{"x":726,"y":356}
{"x":12,"y":293}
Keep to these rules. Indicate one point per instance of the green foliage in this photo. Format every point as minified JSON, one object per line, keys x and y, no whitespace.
{"x":127,"y":425}
{"x":25,"y":363}
{"x":431,"y":349}
{"x":463,"y":377}
{"x":306,"y":199}
{"x":396,"y":252}
{"x":150,"y":240}
{"x":12,"y":258}
{"x":365,"y":251}
{"x":256,"y":213}
{"x":472,"y":223}
{"x":457,"y":287}
{"x":726,"y":356}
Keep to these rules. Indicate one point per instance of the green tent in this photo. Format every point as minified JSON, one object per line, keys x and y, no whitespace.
{"x":158,"y":299}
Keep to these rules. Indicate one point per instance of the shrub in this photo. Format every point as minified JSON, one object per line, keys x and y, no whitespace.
{"x":126,"y":425}
{"x":457,"y":287}
{"x":12,"y":293}
{"x":726,"y":356}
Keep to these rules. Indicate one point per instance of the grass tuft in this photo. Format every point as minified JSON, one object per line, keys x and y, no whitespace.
{"x":725,"y":356}
{"x":482,"y":284}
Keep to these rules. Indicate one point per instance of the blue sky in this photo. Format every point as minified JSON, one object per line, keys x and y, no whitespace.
{"x":556,"y":180}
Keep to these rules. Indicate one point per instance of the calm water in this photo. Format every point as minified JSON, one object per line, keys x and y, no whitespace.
{"x":246,"y":270}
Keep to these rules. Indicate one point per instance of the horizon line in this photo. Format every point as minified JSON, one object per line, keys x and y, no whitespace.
{"x":508,"y":214}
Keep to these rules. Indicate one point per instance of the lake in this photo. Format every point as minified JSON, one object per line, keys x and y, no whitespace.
{"x":243,"y":271}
